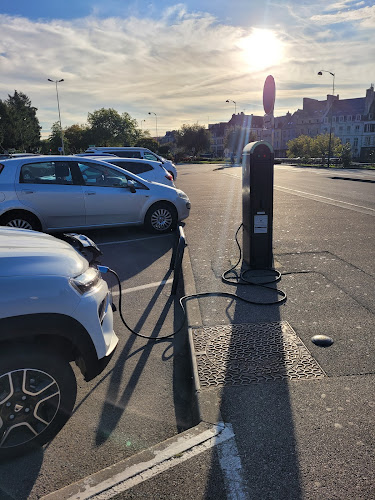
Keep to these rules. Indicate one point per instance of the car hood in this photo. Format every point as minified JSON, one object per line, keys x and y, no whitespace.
{"x":30,"y":253}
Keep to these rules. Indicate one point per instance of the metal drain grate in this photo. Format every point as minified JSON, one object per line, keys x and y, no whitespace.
{"x":248,"y":353}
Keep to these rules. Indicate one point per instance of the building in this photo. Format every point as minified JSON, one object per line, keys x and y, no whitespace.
{"x":351,"y":120}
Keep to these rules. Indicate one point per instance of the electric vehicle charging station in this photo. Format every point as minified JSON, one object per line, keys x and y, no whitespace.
{"x":257,"y":204}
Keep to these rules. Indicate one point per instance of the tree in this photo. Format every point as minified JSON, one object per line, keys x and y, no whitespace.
{"x":109,"y":128}
{"x":300,"y":147}
{"x":20,"y":129}
{"x":54,"y":140}
{"x":147,"y":142}
{"x":346,"y":155}
{"x":193,"y":138}
{"x":77,"y":136}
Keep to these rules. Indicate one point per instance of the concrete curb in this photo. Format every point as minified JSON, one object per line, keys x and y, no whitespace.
{"x":207,"y":403}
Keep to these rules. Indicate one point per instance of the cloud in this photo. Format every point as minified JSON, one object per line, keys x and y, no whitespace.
{"x":181,"y":65}
{"x":365,"y":16}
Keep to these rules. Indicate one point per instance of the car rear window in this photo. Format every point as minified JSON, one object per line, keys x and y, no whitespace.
{"x":127,"y":154}
{"x":134,"y":168}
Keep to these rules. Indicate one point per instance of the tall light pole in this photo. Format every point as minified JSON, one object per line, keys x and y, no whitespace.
{"x":320,"y":73}
{"x":58,"y":107}
{"x":235,"y":105}
{"x":141,"y":124}
{"x":156,"y":118}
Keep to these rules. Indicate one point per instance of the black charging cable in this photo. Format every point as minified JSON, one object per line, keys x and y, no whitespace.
{"x":237,"y":280}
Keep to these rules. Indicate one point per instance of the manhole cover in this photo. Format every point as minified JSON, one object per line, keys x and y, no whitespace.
{"x":247,"y":353}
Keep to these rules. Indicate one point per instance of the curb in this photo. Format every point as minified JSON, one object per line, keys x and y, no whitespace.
{"x":207,"y":403}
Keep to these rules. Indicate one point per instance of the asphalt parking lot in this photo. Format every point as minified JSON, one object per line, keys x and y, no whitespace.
{"x":142,"y":398}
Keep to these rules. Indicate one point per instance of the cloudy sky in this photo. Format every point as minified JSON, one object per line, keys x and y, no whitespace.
{"x":182,"y":61}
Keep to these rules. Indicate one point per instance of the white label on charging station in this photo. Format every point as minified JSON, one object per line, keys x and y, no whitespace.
{"x":260,"y":223}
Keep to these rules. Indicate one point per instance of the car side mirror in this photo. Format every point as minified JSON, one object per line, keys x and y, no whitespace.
{"x":131,"y":186}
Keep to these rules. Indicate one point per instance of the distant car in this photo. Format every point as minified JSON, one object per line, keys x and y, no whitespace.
{"x":56,"y":193}
{"x":152,"y":171}
{"x":134,"y":152}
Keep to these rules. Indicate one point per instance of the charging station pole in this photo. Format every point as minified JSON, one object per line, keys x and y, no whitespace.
{"x":257,"y":204}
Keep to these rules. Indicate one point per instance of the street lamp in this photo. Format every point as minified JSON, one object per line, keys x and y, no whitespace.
{"x":141,"y":124}
{"x":58,"y":107}
{"x":235,"y":105}
{"x":320,"y":73}
{"x":156,"y":118}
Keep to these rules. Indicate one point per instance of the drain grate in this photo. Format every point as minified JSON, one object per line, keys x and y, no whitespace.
{"x":248,"y":353}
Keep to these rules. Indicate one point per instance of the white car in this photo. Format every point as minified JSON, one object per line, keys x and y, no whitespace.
{"x":152,"y":171}
{"x":135,"y":152}
{"x":59,"y":193}
{"x":54,"y":309}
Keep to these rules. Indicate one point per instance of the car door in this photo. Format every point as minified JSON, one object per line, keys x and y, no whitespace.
{"x":50,"y":188}
{"x":108,"y":198}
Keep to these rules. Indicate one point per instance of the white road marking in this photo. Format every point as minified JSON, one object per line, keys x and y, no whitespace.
{"x":133,"y":241}
{"x":143,"y":287}
{"x":184,"y":448}
{"x":329,"y":201}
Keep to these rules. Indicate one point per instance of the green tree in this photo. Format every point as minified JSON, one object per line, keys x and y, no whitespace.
{"x":147,"y":142}
{"x":300,"y":147}
{"x":77,"y":136}
{"x":109,"y":128}
{"x":193,"y":138}
{"x":20,"y":129}
{"x":346,"y":155}
{"x":54,"y":140}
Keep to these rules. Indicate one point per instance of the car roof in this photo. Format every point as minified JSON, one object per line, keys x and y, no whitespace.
{"x":117,"y":148}
{"x":122,"y":160}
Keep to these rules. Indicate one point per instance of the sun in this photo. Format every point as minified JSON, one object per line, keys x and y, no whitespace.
{"x":262,"y":49}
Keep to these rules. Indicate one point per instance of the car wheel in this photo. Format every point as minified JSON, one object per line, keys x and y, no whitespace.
{"x":21,"y":220}
{"x":161,"y":218}
{"x":37,"y":395}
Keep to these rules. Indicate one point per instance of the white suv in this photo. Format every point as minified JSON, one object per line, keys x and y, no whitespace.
{"x":54,"y":309}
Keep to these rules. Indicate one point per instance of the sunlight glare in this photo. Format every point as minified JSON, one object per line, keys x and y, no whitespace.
{"x":262,"y":49}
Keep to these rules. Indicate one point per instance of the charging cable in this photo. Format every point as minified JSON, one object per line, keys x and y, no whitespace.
{"x":237,"y":280}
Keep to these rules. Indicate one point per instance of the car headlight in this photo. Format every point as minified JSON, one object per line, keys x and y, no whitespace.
{"x":86,"y":281}
{"x":183,"y":195}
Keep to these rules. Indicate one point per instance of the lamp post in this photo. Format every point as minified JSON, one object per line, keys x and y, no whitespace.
{"x":141,"y":124}
{"x":58,"y":107}
{"x":320,"y":73}
{"x":156,"y":118}
{"x":235,"y":105}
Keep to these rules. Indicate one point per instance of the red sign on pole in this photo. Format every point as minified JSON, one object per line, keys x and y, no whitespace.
{"x":269,"y":92}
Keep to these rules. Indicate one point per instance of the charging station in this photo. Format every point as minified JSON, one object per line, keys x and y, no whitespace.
{"x":257,"y":204}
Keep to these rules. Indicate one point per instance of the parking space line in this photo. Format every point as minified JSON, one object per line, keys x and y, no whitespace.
{"x":143,"y":287}
{"x":123,"y":476}
{"x":135,"y":240}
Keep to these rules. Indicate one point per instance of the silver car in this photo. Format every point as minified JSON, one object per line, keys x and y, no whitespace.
{"x":58,"y":193}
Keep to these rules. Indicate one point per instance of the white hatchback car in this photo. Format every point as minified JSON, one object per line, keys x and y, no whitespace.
{"x":59,"y":193}
{"x":135,"y":152}
{"x":152,"y":171}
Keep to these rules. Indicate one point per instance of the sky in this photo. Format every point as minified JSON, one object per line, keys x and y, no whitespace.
{"x":181,"y":62}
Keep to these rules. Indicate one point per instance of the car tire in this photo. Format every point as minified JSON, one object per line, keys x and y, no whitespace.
{"x":21,"y":220}
{"x":161,"y":218}
{"x":37,"y":394}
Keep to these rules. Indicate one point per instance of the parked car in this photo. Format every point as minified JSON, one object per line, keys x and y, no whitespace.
{"x":54,"y":309}
{"x":59,"y":193}
{"x":152,"y":171}
{"x":134,"y":152}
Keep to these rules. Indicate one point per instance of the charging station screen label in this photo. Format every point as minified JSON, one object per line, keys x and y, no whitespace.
{"x":260,"y":223}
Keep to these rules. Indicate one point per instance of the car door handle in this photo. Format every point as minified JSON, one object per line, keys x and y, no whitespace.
{"x":27,"y":191}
